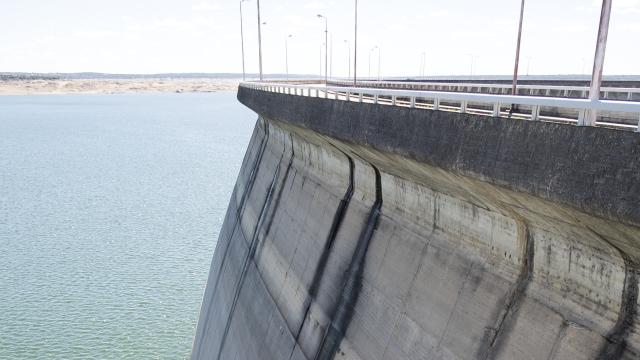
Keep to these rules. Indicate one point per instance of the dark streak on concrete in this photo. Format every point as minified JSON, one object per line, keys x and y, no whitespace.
{"x":250,"y":252}
{"x":278,"y":197}
{"x":616,"y":340}
{"x":338,"y":217}
{"x":523,"y":156}
{"x":239,"y":213}
{"x":556,"y":343}
{"x":353,"y":282}
{"x":494,"y":338}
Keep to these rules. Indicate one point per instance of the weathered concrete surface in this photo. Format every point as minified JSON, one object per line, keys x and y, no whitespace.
{"x":479,"y":239}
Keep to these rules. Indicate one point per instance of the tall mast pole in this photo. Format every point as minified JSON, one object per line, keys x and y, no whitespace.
{"x":515,"y":68}
{"x":598,"y":62}
{"x":259,"y":41}
{"x":355,"y":48}
{"x":242,"y":41}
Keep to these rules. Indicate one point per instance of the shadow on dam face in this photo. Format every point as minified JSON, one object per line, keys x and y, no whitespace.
{"x":496,"y":239}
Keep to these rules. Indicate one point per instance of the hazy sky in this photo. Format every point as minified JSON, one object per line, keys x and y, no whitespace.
{"x":150,"y":36}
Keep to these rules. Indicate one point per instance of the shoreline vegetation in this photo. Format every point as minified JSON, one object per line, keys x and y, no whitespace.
{"x":49,"y":85}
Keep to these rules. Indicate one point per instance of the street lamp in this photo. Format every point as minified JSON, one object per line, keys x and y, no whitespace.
{"x":370,"y":51}
{"x":242,"y":40}
{"x":259,"y":41}
{"x":515,"y":68}
{"x":473,"y":58}
{"x":321,"y":45}
{"x":348,"y":58}
{"x":355,"y":47}
{"x":598,"y":63}
{"x":326,"y":47}
{"x":378,"y":62}
{"x":286,"y":54}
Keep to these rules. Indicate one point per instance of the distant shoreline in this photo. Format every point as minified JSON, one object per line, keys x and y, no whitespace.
{"x":115,"y":86}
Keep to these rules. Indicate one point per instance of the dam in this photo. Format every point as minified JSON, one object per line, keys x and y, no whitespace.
{"x":389,"y":223}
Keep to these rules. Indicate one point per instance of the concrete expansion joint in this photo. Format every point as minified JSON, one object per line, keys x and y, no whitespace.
{"x":318,"y":274}
{"x":495,"y":335}
{"x":239,"y":212}
{"x":250,"y":253}
{"x":352,"y":284}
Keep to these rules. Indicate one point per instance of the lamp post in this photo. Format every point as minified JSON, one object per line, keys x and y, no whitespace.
{"x":355,"y":47}
{"x":378,"y":47}
{"x":286,"y":54}
{"x":259,"y":41}
{"x":320,"y":63}
{"x":348,"y":58}
{"x":242,"y":40}
{"x":331,"y":55}
{"x":370,"y":51}
{"x":473,"y":58}
{"x":598,"y":63}
{"x":515,"y":67}
{"x":326,"y":47}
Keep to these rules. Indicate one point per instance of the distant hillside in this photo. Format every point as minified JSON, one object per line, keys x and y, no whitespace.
{"x":28,"y":76}
{"x":97,"y":76}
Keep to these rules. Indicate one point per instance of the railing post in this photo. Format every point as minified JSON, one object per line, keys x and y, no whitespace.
{"x":638,"y":127}
{"x":463,"y":106}
{"x":393,"y":100}
{"x":436,"y":104}
{"x":375,"y":99}
{"x":496,"y":110}
{"x":535,"y":112}
{"x":348,"y":96}
{"x":413,"y":101}
{"x":326,"y":94}
{"x":360,"y":97}
{"x":581,"y":116}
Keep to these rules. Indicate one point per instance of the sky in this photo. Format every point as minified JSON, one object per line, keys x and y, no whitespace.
{"x":457,"y":36}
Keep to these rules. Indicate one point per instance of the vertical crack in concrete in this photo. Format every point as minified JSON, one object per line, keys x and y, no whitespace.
{"x":616,"y":340}
{"x":239,"y":211}
{"x":249,"y":256}
{"x":352,"y":285}
{"x":338,"y":217}
{"x":493,"y":339}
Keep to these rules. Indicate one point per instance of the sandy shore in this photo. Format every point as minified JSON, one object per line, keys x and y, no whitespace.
{"x":113,"y":86}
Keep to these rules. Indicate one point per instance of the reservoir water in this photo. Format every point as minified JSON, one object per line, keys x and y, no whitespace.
{"x":110,"y":207}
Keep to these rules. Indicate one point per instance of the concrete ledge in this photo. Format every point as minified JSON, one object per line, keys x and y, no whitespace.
{"x":595,"y":170}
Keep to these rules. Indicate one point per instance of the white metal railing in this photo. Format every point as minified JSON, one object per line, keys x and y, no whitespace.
{"x":455,"y":101}
{"x":546,"y":90}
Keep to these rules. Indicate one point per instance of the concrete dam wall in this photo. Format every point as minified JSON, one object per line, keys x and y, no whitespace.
{"x":366,"y":231}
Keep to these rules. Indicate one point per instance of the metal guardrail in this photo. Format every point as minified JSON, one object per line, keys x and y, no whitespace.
{"x":487,"y":104}
{"x":623,"y":93}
